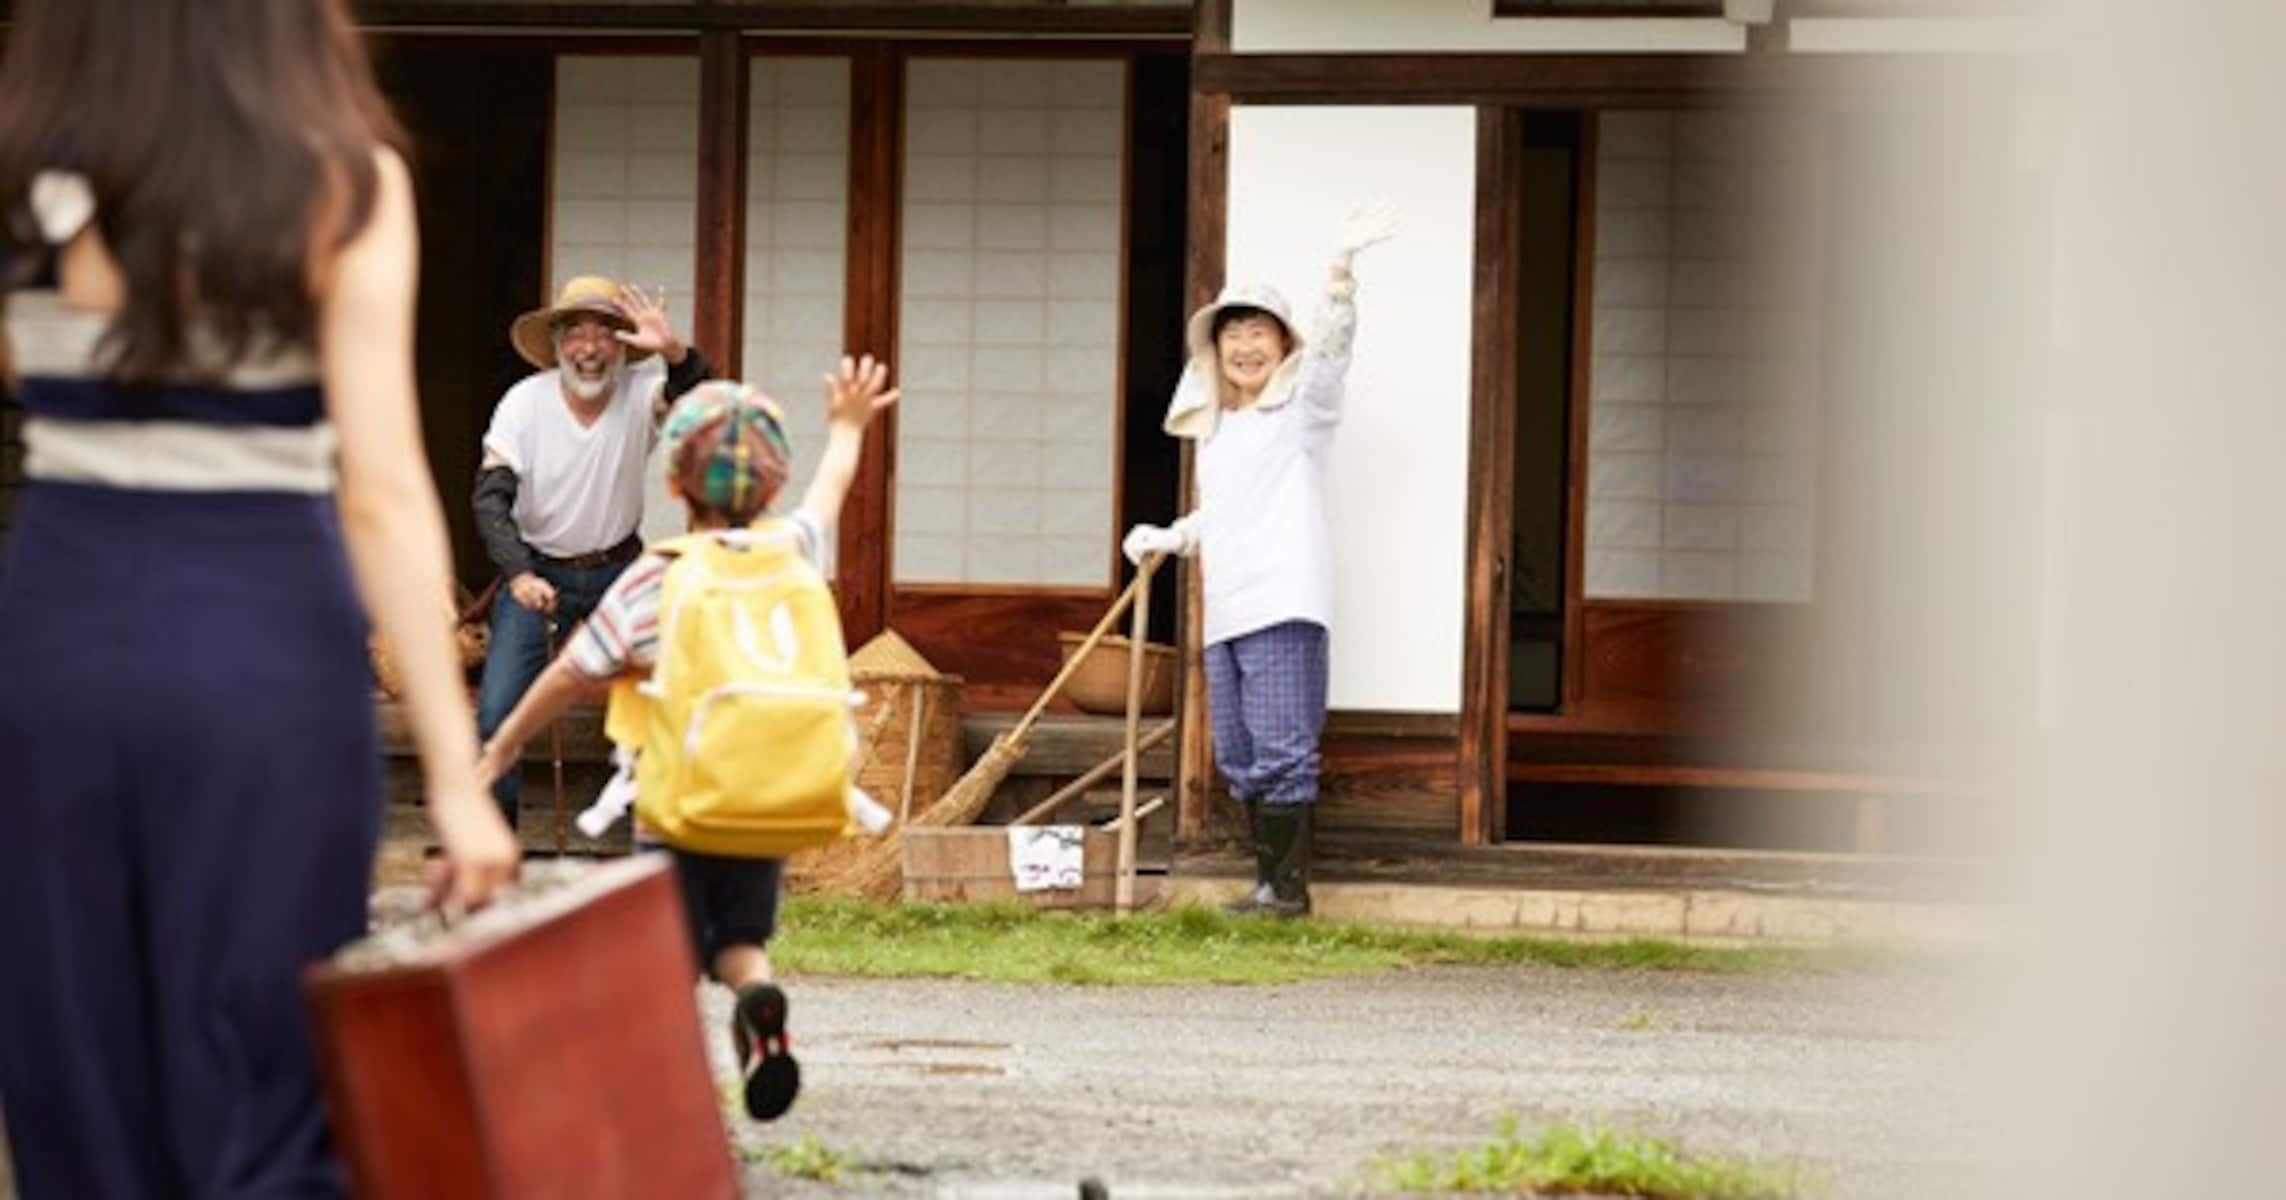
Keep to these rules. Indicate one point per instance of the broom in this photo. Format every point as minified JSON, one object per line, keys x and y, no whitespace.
{"x":879,"y":872}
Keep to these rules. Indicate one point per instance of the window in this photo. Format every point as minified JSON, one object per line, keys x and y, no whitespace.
{"x":1010,"y":321}
{"x":1704,"y":381}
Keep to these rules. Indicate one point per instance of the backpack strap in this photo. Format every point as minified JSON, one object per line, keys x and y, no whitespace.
{"x":690,"y":546}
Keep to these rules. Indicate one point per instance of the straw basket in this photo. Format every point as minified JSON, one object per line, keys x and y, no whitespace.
{"x":470,"y":636}
{"x":911,"y":721}
{"x":1100,"y":684}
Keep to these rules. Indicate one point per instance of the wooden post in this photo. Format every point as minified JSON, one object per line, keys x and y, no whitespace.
{"x":1202,"y":277}
{"x":869,"y":326}
{"x":1138,"y":637}
{"x":720,"y":291}
{"x":1482,"y":767}
{"x":920,"y":718}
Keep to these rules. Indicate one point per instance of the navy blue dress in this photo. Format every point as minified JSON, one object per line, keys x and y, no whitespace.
{"x":192,"y":791}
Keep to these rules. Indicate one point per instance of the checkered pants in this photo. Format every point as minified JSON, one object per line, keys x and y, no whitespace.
{"x":1266,"y":694}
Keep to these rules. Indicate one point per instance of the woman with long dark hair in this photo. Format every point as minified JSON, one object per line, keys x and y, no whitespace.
{"x":208,"y":259}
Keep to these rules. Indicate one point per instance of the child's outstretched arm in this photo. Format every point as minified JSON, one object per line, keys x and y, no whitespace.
{"x":1326,"y":358}
{"x":557,"y":688}
{"x":853,"y":394}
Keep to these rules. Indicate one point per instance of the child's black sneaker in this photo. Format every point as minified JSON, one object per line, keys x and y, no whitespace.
{"x":765,"y":1056}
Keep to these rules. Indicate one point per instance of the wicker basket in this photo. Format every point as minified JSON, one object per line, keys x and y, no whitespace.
{"x":469,"y":638}
{"x":1100,"y":684}
{"x":890,"y":672}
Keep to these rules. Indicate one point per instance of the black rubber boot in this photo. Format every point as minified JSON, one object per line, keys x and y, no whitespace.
{"x":1258,"y":898}
{"x":1289,"y":829}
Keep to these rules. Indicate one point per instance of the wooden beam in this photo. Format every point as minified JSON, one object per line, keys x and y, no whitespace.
{"x":1764,"y":779}
{"x":1210,"y":26}
{"x":1491,"y":478}
{"x":1209,"y":180}
{"x":719,"y":296}
{"x":1607,"y":8}
{"x":1051,"y":20}
{"x":1577,"y":81}
{"x":869,"y":326}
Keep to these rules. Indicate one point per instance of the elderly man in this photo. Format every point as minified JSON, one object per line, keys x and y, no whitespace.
{"x":559,"y":494}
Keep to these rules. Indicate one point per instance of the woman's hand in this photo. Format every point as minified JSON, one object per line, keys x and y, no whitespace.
{"x":1365,"y":226}
{"x":480,"y":853}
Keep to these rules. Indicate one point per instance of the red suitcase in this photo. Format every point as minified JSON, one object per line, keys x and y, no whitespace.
{"x":546,"y":1047}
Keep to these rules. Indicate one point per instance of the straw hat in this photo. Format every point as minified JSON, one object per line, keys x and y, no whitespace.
{"x":531,"y":333}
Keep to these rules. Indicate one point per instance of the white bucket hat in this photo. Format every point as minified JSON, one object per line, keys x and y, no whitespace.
{"x":1197,"y":400}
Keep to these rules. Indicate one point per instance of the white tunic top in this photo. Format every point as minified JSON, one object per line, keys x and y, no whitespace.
{"x":579,"y":488}
{"x":1265,"y":549}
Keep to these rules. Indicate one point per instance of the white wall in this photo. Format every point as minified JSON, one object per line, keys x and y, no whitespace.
{"x":1398,"y":491}
{"x":1335,"y":26}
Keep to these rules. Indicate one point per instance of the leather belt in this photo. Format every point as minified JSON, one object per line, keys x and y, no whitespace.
{"x":615,"y":556}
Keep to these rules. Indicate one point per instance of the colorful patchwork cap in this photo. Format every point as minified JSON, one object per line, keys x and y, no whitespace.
{"x":726,"y":448}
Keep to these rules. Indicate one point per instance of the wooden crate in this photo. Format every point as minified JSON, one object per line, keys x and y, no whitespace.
{"x":971,"y":863}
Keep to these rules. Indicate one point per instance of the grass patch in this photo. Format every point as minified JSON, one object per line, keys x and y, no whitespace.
{"x":1642,"y":1022}
{"x":1565,"y":1158}
{"x":1013,"y":943}
{"x":809,"y":1159}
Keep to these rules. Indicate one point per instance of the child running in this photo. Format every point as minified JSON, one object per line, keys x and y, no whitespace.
{"x":727,"y":460}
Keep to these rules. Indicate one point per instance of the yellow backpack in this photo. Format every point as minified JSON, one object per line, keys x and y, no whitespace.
{"x":744,"y":726}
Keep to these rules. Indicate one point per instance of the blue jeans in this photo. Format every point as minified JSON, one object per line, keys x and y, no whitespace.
{"x":1266,"y":704}
{"x":519,"y":652}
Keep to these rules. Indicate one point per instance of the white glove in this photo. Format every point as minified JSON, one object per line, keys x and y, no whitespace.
{"x":1366,"y":225}
{"x":1144,"y":540}
{"x":613,"y":801}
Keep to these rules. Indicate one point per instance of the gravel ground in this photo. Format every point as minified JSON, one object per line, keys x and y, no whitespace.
{"x":963,"y":1089}
{"x":957,"y":1089}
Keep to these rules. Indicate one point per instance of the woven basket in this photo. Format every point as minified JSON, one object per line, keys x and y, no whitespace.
{"x":1100,"y":684}
{"x":890,"y":672}
{"x":470,"y":639}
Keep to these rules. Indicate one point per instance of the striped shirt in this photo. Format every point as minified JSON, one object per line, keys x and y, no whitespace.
{"x":623,"y":634}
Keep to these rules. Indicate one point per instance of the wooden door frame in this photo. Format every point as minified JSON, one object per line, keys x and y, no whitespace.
{"x":873,"y":598}
{"x":1483,"y":751}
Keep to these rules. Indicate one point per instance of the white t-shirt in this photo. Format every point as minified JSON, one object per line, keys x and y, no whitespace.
{"x":579,"y":488}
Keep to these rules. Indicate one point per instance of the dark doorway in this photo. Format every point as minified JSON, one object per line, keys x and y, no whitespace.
{"x":1547,"y":254}
{"x":1157,"y":208}
{"x":478,"y":117}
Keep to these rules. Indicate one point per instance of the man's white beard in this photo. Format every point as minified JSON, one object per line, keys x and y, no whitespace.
{"x":590,"y":390}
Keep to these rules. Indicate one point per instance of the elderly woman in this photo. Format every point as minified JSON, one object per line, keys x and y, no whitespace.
{"x":1262,"y":404}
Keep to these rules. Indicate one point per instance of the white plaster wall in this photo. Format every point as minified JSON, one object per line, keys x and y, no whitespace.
{"x":1338,"y":26}
{"x":1398,"y":489}
{"x":1906,"y":35}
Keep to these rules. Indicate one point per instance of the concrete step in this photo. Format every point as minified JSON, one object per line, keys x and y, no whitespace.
{"x":1712,"y":917}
